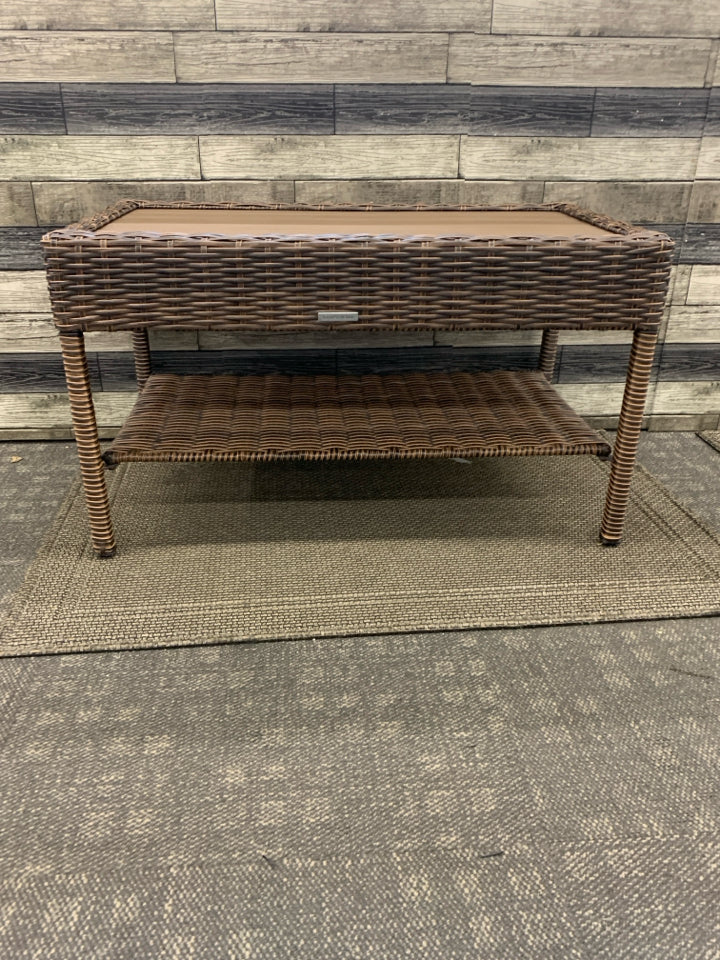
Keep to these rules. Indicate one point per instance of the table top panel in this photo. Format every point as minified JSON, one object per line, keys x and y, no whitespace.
{"x":462,"y":223}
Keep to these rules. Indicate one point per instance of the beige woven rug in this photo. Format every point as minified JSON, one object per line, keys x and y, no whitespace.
{"x":712,"y":437}
{"x":213,"y":553}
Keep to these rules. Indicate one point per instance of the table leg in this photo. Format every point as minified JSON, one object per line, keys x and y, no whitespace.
{"x":628,"y":435}
{"x":548,"y":352}
{"x":92,"y":467}
{"x":141,"y":351}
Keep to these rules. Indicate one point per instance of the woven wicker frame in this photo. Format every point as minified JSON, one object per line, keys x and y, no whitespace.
{"x":140,"y":281}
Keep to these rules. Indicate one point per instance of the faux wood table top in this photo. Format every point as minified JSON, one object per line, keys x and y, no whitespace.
{"x":460,"y":223}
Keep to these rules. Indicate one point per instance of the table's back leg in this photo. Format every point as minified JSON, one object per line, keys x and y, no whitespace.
{"x":548,"y":352}
{"x":628,"y":435}
{"x":141,"y":351}
{"x":92,"y":467}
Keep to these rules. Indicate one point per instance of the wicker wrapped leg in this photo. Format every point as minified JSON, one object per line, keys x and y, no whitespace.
{"x":88,"y":443}
{"x":548,"y":352}
{"x":628,"y":435}
{"x":141,"y":350}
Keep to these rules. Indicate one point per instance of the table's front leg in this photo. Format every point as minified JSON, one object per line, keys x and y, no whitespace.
{"x":92,"y":467}
{"x":642,"y":354}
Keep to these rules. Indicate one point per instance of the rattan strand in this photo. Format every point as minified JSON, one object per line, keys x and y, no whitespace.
{"x":410,"y":415}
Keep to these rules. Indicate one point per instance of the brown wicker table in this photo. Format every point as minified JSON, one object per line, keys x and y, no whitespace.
{"x":140,"y":265}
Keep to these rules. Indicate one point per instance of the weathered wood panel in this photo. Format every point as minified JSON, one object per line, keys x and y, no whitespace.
{"x":336,"y":16}
{"x":101,"y":15}
{"x":419,"y":191}
{"x":643,"y":202}
{"x":31,"y":108}
{"x":51,"y":411}
{"x":649,"y":113}
{"x":712,"y":123}
{"x":692,"y":396}
{"x":708,"y":167}
{"x":663,"y":18}
{"x":228,"y":340}
{"x":359,"y":362}
{"x":443,"y":108}
{"x":310,"y":58}
{"x":705,"y":201}
{"x":693,"y":325}
{"x":24,"y":291}
{"x":36,"y":333}
{"x":597,"y":364}
{"x":523,"y":61}
{"x":704,"y":285}
{"x":329,"y":157}
{"x":594,"y":399}
{"x":16,"y":204}
{"x":679,"y":283}
{"x":201,"y":108}
{"x":92,"y":158}
{"x":696,"y":362}
{"x":63,"y":202}
{"x":701,"y":243}
{"x":590,"y":158}
{"x":69,"y":56}
{"x":39,"y":372}
{"x":20,"y":248}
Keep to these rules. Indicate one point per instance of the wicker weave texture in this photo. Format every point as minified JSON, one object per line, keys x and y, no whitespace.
{"x":323,"y":417}
{"x":124,"y":281}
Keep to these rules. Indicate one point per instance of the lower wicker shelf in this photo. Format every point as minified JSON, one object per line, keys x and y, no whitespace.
{"x":400,"y":415}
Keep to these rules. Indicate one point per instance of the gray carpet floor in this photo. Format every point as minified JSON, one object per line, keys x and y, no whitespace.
{"x":540,"y":792}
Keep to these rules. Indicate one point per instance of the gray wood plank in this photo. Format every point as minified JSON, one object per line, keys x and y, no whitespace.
{"x":597,"y":364}
{"x":36,"y":333}
{"x":359,"y":362}
{"x":314,"y":340}
{"x":419,"y":191}
{"x":650,"y":201}
{"x":50,"y":411}
{"x":712,"y":124}
{"x":17,"y":208}
{"x":92,"y":158}
{"x":662,"y":18}
{"x":705,"y":201}
{"x":547,"y":61}
{"x":201,"y":108}
{"x":78,"y":56}
{"x":20,"y":248}
{"x":708,"y":167}
{"x":31,"y":108}
{"x":647,"y":112}
{"x":574,"y":158}
{"x":701,"y":243}
{"x":704,"y":285}
{"x":101,"y":15}
{"x":701,"y":361}
{"x":24,"y":291}
{"x":310,"y":58}
{"x":319,"y":157}
{"x":440,"y":192}
{"x":337,"y":17}
{"x":452,"y":108}
{"x":63,"y":202}
{"x":39,"y":372}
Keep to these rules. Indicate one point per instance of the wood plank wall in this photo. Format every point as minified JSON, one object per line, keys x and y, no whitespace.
{"x":610,"y":105}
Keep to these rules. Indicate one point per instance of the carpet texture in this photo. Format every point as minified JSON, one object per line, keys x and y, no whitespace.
{"x":712,"y":437}
{"x":231,"y":552}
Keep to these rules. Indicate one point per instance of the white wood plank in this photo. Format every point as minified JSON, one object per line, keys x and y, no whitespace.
{"x":86,"y":57}
{"x":64,"y":202}
{"x":24,"y":291}
{"x":347,"y":15}
{"x":311,"y":58}
{"x":101,"y":15}
{"x":694,"y":325}
{"x":647,"y":202}
{"x":705,"y":201}
{"x":578,"y":158}
{"x":52,"y":410}
{"x":545,"y":61}
{"x":16,"y":205}
{"x":593,"y":399}
{"x":679,"y":283}
{"x":662,"y":18}
{"x":687,"y":397}
{"x":36,"y":333}
{"x":92,"y":158}
{"x":419,"y":191}
{"x":323,"y":157}
{"x":708,"y":167}
{"x":704,"y":284}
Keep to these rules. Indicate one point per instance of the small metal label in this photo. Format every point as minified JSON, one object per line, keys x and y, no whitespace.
{"x":337,"y":316}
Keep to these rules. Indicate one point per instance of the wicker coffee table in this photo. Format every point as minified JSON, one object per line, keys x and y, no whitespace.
{"x":140,"y":265}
